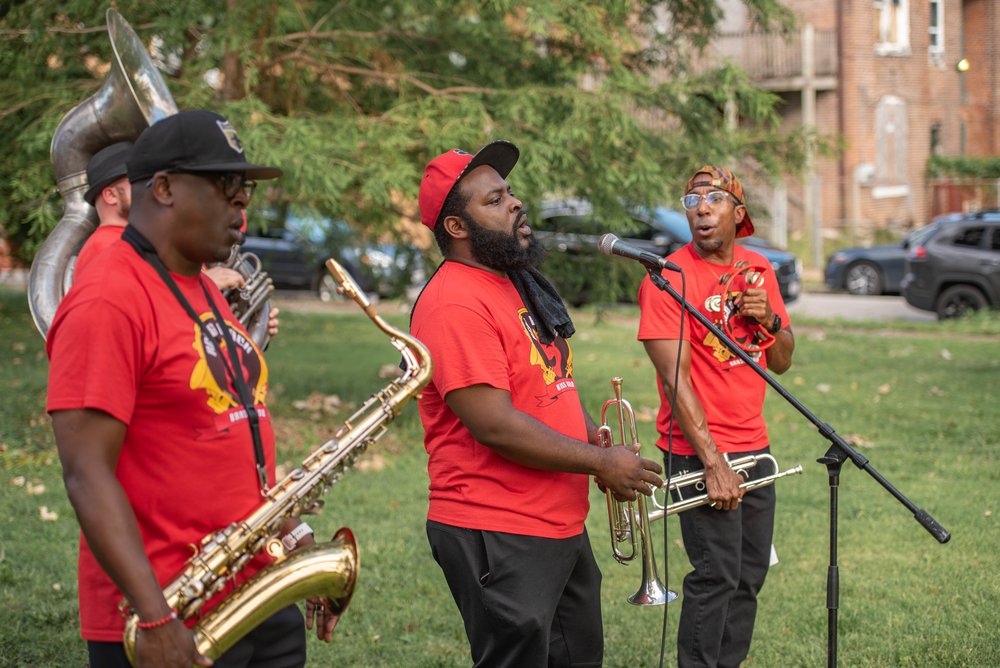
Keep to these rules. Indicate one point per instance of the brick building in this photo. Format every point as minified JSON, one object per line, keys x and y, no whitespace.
{"x":889,"y":79}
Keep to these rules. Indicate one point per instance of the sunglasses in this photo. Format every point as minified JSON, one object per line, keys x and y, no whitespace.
{"x":232,"y":183}
{"x":714,"y":198}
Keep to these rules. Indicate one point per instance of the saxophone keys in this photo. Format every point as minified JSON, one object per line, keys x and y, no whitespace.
{"x":275,"y":548}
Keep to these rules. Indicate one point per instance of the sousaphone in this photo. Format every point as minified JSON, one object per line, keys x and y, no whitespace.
{"x":132,"y":97}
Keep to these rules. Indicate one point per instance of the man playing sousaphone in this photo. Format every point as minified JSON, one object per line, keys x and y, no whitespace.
{"x":718,"y":410}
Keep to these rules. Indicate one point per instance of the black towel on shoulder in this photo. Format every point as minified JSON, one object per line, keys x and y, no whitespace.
{"x":543,"y":303}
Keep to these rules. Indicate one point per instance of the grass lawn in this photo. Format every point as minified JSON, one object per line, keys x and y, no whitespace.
{"x":919,"y":400}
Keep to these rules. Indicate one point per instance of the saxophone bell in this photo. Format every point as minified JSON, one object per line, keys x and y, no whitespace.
{"x":327,"y":570}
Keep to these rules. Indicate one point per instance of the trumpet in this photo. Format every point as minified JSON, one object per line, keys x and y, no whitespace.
{"x":696,"y":479}
{"x":630,"y":522}
{"x":624,"y":515}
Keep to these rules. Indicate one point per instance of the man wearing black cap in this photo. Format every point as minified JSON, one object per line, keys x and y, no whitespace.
{"x":157,"y":396}
{"x":109,"y":193}
{"x":509,"y":444}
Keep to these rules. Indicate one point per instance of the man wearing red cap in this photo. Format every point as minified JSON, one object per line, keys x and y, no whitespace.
{"x":509,"y":444}
{"x":711,"y":405}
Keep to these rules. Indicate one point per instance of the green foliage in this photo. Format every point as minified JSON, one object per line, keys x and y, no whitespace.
{"x":942,"y":166}
{"x":918,"y":403}
{"x":352,"y":99}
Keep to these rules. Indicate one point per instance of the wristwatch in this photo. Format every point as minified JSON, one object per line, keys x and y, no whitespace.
{"x":291,"y":539}
{"x":775,"y":326}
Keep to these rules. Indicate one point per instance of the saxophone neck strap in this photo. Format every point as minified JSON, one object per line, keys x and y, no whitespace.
{"x":234,"y":369}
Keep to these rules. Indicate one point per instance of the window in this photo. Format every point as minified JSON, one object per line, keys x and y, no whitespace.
{"x":969,"y":237}
{"x":936,"y":32}
{"x":935,"y":138}
{"x":891,"y":136}
{"x":995,"y":242}
{"x":892,"y":27}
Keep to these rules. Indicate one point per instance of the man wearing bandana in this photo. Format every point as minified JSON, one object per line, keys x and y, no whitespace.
{"x":717,"y":410}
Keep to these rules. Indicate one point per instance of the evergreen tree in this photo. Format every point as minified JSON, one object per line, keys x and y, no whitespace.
{"x":352,"y":98}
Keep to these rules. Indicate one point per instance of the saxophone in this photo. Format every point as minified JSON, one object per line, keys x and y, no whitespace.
{"x":329,"y":570}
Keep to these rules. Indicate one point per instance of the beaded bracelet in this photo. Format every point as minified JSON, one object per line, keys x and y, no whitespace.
{"x":159,"y":622}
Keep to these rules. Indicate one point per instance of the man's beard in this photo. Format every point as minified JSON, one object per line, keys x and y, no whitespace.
{"x":124,"y":205}
{"x":709,"y":245}
{"x":502,"y":250}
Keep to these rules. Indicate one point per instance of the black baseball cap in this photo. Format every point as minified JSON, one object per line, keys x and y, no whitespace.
{"x":194,"y":140}
{"x":106,"y":167}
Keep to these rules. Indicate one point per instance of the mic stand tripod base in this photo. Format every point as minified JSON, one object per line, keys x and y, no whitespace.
{"x":833,"y":459}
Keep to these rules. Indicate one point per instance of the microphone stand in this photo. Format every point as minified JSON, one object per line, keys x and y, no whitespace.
{"x":839,"y":451}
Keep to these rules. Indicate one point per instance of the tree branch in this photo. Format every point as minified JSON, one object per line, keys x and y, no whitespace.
{"x":385,"y":76}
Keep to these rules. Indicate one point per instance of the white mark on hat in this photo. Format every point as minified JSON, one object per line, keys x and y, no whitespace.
{"x":232,"y":138}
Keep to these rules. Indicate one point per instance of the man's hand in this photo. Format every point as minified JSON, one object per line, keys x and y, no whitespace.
{"x":723,"y":486}
{"x":168,"y":646}
{"x":753,"y":304}
{"x":273,"y":322}
{"x":320,"y":613}
{"x":225,"y":278}
{"x":625,"y":473}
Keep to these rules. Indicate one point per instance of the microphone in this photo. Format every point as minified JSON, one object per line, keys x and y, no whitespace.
{"x":612,"y":245}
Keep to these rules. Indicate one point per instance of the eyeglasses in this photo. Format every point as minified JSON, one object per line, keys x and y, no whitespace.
{"x":232,"y":183}
{"x":714,"y":198}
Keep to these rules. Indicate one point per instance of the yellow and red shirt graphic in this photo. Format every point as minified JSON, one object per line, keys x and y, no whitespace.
{"x":213,"y":371}
{"x":480,"y":334}
{"x":554,"y":359}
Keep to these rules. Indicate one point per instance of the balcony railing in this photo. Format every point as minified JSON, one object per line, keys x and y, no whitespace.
{"x":776,"y":58}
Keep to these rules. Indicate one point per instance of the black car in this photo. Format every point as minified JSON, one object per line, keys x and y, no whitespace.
{"x":569,"y":229}
{"x":956,"y":269}
{"x":877,"y":270}
{"x":294,"y":251}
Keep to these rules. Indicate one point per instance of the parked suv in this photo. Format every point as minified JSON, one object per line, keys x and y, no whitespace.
{"x":571,"y":233}
{"x":293,"y":251}
{"x":877,"y":270}
{"x":956,"y":270}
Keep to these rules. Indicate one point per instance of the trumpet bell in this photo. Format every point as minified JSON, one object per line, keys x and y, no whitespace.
{"x":653,"y":593}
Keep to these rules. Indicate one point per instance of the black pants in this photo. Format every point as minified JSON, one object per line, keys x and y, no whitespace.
{"x":279,"y":642}
{"x":730,"y":551}
{"x":526,"y":601}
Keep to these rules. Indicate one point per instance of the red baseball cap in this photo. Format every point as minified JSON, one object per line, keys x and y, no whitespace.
{"x":444,"y":171}
{"x":723,"y":179}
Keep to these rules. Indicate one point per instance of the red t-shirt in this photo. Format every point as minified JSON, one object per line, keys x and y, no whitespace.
{"x":103,"y":236}
{"x":479,"y":333}
{"x":121,"y":343}
{"x":731,"y":393}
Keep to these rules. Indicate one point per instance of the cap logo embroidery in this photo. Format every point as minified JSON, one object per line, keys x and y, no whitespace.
{"x":229,"y":132}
